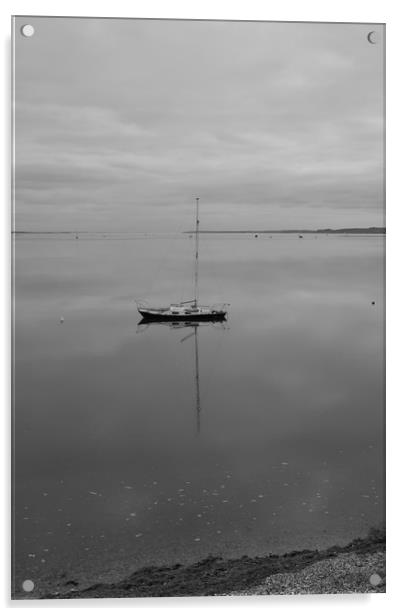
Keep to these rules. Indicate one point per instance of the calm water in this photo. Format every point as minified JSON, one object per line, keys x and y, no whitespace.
{"x":111,"y":471}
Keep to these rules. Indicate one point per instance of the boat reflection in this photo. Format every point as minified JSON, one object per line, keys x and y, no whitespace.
{"x":144,"y":324}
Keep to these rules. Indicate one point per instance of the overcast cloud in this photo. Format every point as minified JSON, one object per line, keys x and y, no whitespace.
{"x":121,"y":123}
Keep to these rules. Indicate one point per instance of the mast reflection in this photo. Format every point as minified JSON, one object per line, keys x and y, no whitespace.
{"x":144,"y":324}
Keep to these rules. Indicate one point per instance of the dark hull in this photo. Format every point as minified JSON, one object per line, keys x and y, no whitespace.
{"x":185,"y":318}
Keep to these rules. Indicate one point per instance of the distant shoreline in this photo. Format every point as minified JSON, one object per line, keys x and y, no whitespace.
{"x":351,"y":230}
{"x":367,"y":230}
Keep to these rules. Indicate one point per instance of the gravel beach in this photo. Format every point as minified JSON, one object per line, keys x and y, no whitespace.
{"x":346,"y":573}
{"x":358,"y":567}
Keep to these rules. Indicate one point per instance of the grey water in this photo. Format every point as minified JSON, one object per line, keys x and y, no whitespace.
{"x":114,"y":466}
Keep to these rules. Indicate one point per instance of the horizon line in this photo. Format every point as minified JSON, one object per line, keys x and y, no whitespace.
{"x":293,"y":230}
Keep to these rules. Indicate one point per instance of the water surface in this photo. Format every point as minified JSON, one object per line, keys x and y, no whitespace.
{"x":114,"y":466}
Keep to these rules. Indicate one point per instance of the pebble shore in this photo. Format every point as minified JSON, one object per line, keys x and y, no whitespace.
{"x":358,"y":567}
{"x":346,"y":573}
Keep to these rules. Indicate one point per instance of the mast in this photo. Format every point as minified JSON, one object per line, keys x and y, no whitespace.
{"x":197,"y":225}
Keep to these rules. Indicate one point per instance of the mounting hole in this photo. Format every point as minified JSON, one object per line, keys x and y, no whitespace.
{"x":27,"y":30}
{"x":28,"y":585}
{"x":375,"y":579}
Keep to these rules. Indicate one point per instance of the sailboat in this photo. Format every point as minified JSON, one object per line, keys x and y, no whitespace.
{"x":190,"y":310}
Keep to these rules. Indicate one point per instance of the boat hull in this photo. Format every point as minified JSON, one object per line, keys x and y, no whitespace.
{"x":210,"y":316}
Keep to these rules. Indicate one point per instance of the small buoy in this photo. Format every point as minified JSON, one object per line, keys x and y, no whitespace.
{"x":373,"y":303}
{"x":255,"y":235}
{"x":61,"y":319}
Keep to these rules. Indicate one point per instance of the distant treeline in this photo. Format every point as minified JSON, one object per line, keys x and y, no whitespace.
{"x":366,"y":230}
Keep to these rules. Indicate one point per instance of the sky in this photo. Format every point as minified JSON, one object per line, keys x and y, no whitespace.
{"x":121,"y":123}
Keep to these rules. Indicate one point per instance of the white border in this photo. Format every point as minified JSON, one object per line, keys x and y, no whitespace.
{"x":287,"y":10}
